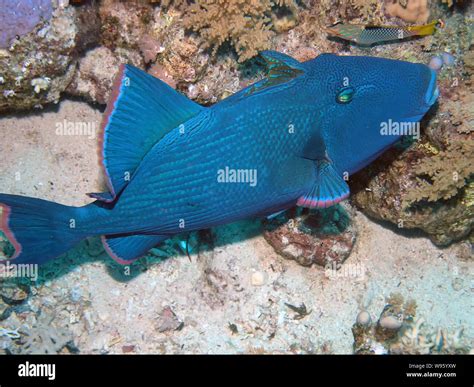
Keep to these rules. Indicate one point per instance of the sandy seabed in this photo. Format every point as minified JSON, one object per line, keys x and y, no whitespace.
{"x":231,"y":299}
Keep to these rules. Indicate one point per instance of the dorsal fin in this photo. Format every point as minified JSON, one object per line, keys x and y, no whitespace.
{"x":278,"y":59}
{"x":281,"y":68}
{"x":140,"y":111}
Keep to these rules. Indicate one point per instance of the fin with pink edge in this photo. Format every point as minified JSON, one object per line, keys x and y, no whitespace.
{"x":141,"y":110}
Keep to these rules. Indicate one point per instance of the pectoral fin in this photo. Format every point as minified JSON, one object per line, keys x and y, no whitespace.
{"x":328,"y":188}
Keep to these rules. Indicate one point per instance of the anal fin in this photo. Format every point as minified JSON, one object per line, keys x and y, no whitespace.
{"x":126,"y":249}
{"x":328,"y":188}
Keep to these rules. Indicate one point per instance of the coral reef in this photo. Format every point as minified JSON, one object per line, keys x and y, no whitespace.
{"x":154,"y":39}
{"x":420,"y":338}
{"x":158,"y":39}
{"x":252,"y":300}
{"x":36,"y":68}
{"x":122,"y":32}
{"x":441,"y":183}
{"x":123,"y":24}
{"x":392,"y":195}
{"x":44,"y":338}
{"x":443,"y":222}
{"x":323,"y":237}
{"x":412,"y":11}
{"x":367,"y":9}
{"x":14,"y":295}
{"x":95,"y":74}
{"x":246,"y":25}
{"x":399,"y":331}
{"x":429,"y":184}
{"x":19,"y":17}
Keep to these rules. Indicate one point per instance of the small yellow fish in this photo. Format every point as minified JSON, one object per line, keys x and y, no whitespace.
{"x":367,"y":35}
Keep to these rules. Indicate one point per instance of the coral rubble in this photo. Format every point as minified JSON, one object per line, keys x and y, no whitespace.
{"x":412,"y":11}
{"x":247,"y":25}
{"x":36,"y":68}
{"x":399,"y":331}
{"x":19,"y":17}
{"x":324,"y":237}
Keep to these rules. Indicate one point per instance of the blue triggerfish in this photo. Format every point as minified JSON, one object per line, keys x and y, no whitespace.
{"x":173,"y":166}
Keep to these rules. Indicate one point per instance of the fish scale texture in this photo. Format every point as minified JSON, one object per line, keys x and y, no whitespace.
{"x":181,"y":171}
{"x":267,"y":148}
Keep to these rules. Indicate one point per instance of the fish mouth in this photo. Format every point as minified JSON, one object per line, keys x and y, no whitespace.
{"x":432,"y":93}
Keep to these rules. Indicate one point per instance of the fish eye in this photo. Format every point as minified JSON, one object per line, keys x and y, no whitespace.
{"x":345,"y":95}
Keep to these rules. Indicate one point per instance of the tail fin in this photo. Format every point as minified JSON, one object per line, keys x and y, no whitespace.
{"x":39,"y":230}
{"x":424,"y":30}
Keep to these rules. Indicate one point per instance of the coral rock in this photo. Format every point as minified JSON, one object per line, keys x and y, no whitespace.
{"x":168,"y":321}
{"x":412,"y":11}
{"x":246,"y":25}
{"x":19,"y":17}
{"x":322,"y":237}
{"x":160,"y":72}
{"x":38,"y":67}
{"x":124,"y":23}
{"x":95,"y":75}
{"x":443,"y":221}
{"x":428,"y":186}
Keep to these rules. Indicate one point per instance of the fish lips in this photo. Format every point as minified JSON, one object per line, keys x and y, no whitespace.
{"x":432,"y":93}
